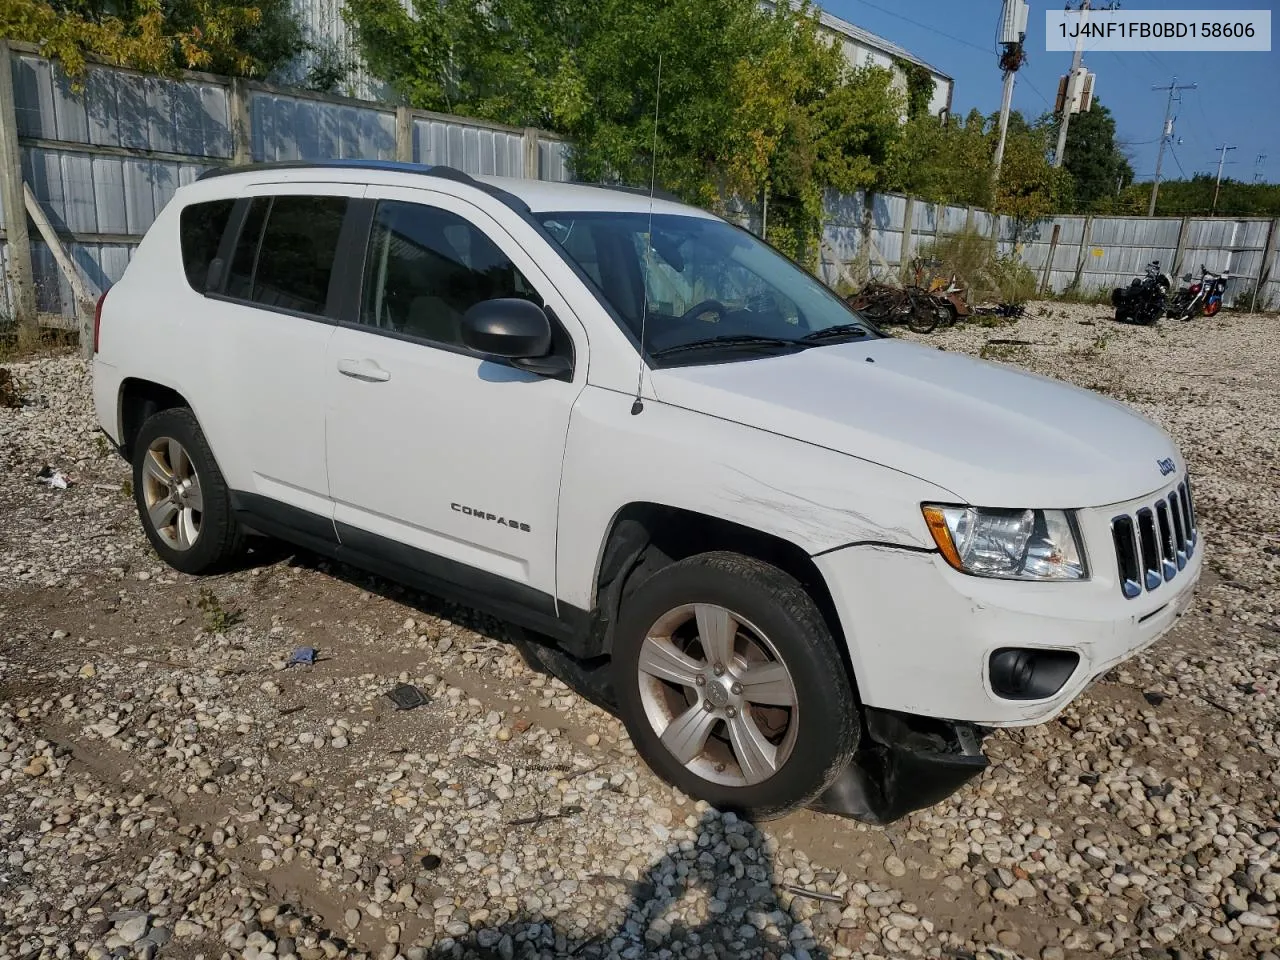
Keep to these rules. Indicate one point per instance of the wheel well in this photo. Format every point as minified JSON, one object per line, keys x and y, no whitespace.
{"x":647,"y":536}
{"x":139,"y":400}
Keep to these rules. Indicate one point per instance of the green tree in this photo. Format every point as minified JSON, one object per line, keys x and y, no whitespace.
{"x":942,"y":162}
{"x":751,"y":100}
{"x":1194,"y":197}
{"x":1029,"y":188}
{"x":158,"y":36}
{"x":952,"y":162}
{"x":1098,"y":168}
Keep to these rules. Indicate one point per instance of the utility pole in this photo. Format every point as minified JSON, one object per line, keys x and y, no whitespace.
{"x":1258,"y":162}
{"x":1066,"y":106}
{"x":1166,"y":131}
{"x":1013,"y":31}
{"x":1005,"y":102}
{"x":1218,"y":183}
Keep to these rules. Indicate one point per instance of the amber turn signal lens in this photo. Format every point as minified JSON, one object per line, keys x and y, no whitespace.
{"x":942,"y":535}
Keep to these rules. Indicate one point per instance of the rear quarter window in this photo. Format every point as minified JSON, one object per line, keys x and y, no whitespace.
{"x":200,"y":232}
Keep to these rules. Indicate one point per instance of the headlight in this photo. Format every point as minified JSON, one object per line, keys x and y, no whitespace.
{"x":1009,"y":544}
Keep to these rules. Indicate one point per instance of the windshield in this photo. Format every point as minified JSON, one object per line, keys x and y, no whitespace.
{"x":705,"y":283}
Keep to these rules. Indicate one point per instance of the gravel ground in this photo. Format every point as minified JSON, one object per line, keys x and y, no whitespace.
{"x":168,"y":786}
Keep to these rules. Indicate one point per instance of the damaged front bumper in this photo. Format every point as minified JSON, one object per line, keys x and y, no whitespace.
{"x":904,"y":763}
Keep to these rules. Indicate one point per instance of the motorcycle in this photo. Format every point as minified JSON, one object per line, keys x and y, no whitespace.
{"x":1199,"y":296}
{"x":1144,"y":300}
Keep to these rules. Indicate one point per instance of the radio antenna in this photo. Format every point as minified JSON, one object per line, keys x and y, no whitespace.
{"x":638,"y":404}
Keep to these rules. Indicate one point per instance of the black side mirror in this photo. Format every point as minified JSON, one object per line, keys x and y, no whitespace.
{"x":516,"y":330}
{"x":508,"y":327}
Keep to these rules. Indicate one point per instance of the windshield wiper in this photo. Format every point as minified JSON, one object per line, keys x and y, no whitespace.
{"x":840,"y":331}
{"x":735,"y":340}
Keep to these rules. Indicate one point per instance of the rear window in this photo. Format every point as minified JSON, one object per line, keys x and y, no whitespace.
{"x":285,"y":253}
{"x":200,"y":230}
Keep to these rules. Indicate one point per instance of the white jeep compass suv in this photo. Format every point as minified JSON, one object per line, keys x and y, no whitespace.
{"x":806,"y":564}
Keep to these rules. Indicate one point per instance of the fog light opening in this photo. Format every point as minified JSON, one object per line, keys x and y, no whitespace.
{"x":1019,"y":673}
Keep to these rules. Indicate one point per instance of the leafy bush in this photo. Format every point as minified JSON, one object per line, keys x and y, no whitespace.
{"x":976,"y":262}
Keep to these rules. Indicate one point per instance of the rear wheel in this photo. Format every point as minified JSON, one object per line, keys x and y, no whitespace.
{"x":731,"y":687}
{"x":182,"y":498}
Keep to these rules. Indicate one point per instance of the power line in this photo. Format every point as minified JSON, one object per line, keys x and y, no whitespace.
{"x":926,"y":26}
{"x":1028,"y":82}
{"x":1174,"y":153}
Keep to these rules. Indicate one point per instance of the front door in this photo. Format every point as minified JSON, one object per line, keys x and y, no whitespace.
{"x":442,"y":459}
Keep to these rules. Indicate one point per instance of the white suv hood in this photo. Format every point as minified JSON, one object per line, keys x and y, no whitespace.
{"x":992,"y":435}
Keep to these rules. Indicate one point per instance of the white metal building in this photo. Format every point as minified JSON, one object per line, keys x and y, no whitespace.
{"x":862,"y":47}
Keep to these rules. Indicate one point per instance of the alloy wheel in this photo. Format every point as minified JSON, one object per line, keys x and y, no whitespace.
{"x":718,"y":695}
{"x":172,"y":493}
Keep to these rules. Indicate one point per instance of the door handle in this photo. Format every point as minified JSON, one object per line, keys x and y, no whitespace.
{"x":366,"y":370}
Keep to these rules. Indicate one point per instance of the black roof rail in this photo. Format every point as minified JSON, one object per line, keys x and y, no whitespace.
{"x":390,"y":166}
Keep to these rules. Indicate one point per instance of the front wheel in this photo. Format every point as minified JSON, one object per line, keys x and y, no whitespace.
{"x":731,"y":687}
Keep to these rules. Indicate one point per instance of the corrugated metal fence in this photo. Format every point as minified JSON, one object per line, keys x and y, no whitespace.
{"x":1091,"y":254}
{"x":102,"y":162}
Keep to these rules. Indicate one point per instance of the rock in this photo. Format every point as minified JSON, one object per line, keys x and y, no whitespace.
{"x":184,"y":929}
{"x":894,"y":866}
{"x":1010,"y":938}
{"x":351,"y":918}
{"x":1252,"y":919}
{"x":133,"y":929}
{"x":1223,"y":934}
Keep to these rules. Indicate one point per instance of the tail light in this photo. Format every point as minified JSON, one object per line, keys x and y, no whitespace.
{"x":97,"y":320}
{"x":1195,"y":288}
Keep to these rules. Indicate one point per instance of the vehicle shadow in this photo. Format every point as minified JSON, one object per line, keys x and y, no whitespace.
{"x":720,"y":896}
{"x":589,"y":679}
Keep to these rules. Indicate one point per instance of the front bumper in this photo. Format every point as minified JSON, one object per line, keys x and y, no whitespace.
{"x":920,"y":634}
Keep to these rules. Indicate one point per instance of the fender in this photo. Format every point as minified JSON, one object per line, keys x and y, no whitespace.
{"x":811,"y":497}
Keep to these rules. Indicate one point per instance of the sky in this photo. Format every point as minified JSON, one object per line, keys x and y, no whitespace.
{"x":1236,"y":100}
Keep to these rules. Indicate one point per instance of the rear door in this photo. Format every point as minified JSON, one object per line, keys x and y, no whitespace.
{"x":279,"y":293}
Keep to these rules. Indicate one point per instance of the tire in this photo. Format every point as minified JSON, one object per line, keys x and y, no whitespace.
{"x":923,"y":317}
{"x":183,"y":500}
{"x":797,"y":752}
{"x":877,"y":310}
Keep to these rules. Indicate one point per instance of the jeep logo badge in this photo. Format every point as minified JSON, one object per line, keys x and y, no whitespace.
{"x":1166,"y":466}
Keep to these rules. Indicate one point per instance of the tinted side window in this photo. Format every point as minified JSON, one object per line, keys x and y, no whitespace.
{"x":285,"y":252}
{"x":298,"y":247}
{"x":200,"y":231}
{"x":426,"y":267}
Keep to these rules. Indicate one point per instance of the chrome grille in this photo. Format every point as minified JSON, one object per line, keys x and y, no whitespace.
{"x":1154,"y":543}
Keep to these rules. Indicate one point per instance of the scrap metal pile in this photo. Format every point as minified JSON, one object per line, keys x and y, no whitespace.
{"x":931,"y":298}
